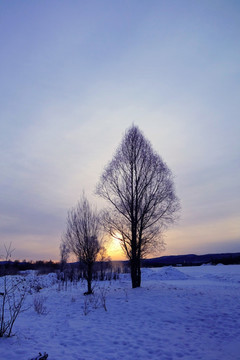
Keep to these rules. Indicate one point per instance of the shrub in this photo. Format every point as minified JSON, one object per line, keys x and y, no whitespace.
{"x":39,"y":305}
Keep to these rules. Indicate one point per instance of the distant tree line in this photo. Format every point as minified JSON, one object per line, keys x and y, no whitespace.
{"x":102,"y":270}
{"x":14,"y":267}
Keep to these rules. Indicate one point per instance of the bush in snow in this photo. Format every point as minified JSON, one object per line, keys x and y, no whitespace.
{"x":96,"y":300}
{"x":39,"y":305}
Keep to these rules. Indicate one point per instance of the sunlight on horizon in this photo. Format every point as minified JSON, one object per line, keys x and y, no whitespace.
{"x":114,"y":249}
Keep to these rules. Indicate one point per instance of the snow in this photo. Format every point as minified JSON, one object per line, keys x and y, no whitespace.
{"x":179,"y":313}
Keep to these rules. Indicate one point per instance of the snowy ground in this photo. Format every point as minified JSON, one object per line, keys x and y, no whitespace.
{"x":178,"y":313}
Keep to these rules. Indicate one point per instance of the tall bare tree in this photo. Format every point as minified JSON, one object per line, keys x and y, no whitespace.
{"x":82,"y":236}
{"x":139,"y":188}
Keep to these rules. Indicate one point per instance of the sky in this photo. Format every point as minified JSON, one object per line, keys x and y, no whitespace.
{"x":74,"y":75}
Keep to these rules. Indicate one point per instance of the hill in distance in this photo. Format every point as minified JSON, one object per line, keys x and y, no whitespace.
{"x":193,"y":260}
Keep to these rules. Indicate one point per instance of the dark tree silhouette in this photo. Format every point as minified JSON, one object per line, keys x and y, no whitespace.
{"x":139,"y":188}
{"x":64,"y":254}
{"x":82,"y":236}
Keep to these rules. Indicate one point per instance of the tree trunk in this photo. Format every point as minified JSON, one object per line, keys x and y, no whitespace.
{"x":138,"y":272}
{"x":89,"y":277}
{"x":135,"y":272}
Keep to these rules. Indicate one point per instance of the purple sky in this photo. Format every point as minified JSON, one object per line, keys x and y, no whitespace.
{"x":75,"y":74}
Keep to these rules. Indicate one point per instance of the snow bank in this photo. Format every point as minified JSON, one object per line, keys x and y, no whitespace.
{"x":174,"y":315}
{"x":228,"y":274}
{"x":164,"y":273}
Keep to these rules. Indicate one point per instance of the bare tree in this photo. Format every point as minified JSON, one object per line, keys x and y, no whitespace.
{"x":139,"y":188}
{"x":13,"y":292}
{"x":64,"y":254}
{"x":82,"y":236}
{"x":104,"y":262}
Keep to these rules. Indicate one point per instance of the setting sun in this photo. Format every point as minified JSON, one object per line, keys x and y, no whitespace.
{"x":114,"y":249}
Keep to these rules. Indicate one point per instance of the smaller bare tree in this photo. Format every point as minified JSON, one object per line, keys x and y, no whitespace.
{"x":82,"y":236}
{"x":12,"y":295}
{"x":64,"y":255}
{"x":104,"y":261}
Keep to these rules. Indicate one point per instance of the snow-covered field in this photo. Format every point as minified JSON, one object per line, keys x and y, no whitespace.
{"x":179,"y":313}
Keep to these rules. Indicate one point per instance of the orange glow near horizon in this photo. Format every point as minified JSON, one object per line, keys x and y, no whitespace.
{"x":114,"y":249}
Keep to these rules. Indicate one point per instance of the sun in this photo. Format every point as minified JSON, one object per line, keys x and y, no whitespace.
{"x":114,"y":249}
